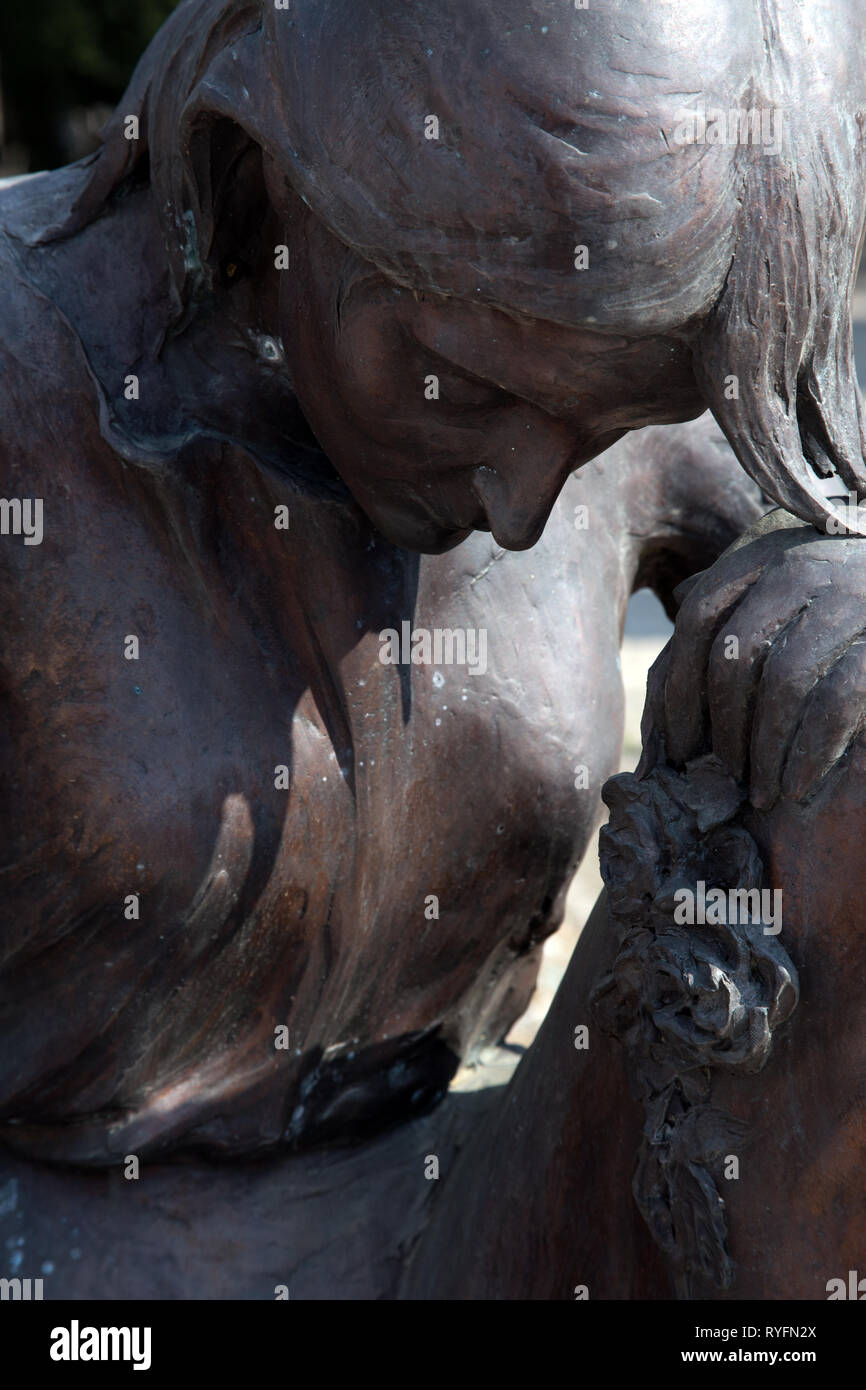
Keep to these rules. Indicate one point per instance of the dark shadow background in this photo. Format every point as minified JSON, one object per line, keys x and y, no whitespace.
{"x":64,"y":64}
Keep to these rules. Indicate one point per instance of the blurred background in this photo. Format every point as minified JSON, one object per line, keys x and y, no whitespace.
{"x":64,"y":65}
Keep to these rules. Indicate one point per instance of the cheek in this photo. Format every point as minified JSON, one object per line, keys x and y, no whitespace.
{"x":375,"y":411}
{"x":357,"y":380}
{"x":374,"y":377}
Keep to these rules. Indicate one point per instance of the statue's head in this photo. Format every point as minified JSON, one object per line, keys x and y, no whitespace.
{"x":500,"y":251}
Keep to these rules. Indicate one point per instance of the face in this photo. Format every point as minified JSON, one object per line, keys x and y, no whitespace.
{"x":444,"y":416}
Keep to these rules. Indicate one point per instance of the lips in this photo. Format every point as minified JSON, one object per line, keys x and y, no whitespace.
{"x":416,"y":521}
{"x":412,"y":527}
{"x":514,"y":512}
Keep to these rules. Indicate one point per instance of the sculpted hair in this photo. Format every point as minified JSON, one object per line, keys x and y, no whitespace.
{"x":782,"y":325}
{"x":546,"y":136}
{"x":527,"y":133}
{"x":173,"y":99}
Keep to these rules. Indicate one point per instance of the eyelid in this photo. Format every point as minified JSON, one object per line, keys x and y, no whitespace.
{"x":493,"y":393}
{"x":487,"y":393}
{"x":496,"y":394}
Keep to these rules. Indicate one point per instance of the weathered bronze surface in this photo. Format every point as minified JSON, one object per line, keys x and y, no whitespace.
{"x":289,"y":372}
{"x":734,"y":1037}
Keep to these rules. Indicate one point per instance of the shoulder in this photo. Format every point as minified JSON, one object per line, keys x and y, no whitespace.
{"x":47,"y":392}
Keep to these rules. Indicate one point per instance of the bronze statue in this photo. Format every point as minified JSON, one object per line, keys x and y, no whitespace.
{"x":340,"y":294}
{"x":712,"y":1127}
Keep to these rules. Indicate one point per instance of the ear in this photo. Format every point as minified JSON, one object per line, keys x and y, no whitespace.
{"x":209,"y":180}
{"x":231,"y":203}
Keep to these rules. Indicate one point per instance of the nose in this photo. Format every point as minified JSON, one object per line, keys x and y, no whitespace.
{"x":518,"y":504}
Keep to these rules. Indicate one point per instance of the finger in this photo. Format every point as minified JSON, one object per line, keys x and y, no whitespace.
{"x":800,"y":658}
{"x":769,"y":611}
{"x":833,"y":716}
{"x":705,"y":612}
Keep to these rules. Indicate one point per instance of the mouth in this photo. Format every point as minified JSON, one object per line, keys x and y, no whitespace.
{"x":415,"y":523}
{"x":416,"y":529}
{"x":430,"y":532}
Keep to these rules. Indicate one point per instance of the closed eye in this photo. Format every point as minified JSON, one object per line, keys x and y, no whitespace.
{"x":459,"y":387}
